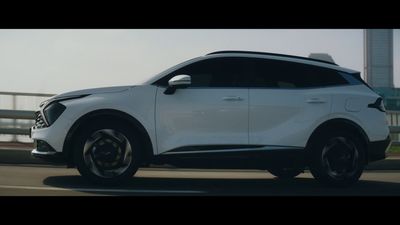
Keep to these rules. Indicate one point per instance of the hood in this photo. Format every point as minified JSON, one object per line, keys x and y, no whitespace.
{"x":82,"y":93}
{"x":93,"y":91}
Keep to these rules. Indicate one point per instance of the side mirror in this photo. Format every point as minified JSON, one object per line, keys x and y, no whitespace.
{"x":178,"y":81}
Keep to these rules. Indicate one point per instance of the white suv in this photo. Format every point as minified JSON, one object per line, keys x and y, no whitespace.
{"x":229,"y":109}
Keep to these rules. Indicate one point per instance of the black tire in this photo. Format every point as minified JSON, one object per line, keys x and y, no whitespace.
{"x":285,"y":173}
{"x":337,"y":158}
{"x":111,"y":133}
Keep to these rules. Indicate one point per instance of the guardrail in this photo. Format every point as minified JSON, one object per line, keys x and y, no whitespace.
{"x":18,"y":114}
{"x":14,"y":131}
{"x":14,"y":94}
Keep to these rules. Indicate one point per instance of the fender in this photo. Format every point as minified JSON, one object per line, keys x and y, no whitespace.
{"x":114,"y":114}
{"x":339,"y":123}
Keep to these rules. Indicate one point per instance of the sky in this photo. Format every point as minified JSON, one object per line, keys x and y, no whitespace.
{"x":56,"y":61}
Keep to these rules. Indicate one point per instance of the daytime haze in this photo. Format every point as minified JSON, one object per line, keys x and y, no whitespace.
{"x":55,"y":61}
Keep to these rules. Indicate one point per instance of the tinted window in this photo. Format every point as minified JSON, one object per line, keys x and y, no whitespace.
{"x":281,"y":74}
{"x":217,"y":72}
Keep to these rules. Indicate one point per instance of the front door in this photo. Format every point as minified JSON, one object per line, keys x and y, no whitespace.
{"x":210,"y":114}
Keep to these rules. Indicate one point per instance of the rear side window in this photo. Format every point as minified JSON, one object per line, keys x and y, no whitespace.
{"x":217,"y":72}
{"x":282,"y":74}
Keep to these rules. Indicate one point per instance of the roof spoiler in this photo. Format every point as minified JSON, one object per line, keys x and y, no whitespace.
{"x":322,"y":57}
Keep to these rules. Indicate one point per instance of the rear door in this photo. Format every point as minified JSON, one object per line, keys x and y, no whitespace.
{"x":287,"y":99}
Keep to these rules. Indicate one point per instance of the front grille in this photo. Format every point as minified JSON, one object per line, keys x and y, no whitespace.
{"x":39,"y":121}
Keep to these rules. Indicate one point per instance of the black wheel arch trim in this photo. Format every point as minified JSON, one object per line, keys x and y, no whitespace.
{"x":340,"y":122}
{"x":68,"y":141}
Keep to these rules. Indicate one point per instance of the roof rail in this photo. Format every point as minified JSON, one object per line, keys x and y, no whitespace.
{"x":272,"y":54}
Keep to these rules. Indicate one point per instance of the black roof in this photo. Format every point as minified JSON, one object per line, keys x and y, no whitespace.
{"x":272,"y":54}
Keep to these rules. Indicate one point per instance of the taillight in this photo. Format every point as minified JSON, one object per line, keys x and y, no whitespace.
{"x":378,"y":104}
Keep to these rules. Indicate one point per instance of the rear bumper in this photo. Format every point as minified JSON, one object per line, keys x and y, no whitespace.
{"x":377,"y":149}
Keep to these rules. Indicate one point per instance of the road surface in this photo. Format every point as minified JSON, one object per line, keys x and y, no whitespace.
{"x":17,"y":180}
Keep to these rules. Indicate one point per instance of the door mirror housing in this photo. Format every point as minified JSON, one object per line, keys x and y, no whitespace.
{"x":178,"y":81}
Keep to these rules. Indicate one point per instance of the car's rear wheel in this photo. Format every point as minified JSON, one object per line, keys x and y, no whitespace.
{"x":107,"y":153}
{"x":285,"y":173}
{"x":337,"y":159}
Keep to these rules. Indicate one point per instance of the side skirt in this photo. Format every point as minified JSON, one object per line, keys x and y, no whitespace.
{"x":233,"y":157}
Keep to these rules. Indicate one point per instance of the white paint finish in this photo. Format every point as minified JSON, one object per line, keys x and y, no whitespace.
{"x":353,"y":104}
{"x":201,"y":116}
{"x":59,"y":127}
{"x":285,"y":116}
{"x":180,"y":80}
{"x":225,"y":116}
{"x":372,"y":121}
{"x":135,"y":101}
{"x":196,"y":116}
{"x":95,"y":91}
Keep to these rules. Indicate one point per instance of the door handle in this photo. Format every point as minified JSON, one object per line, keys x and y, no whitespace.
{"x":315,"y":101}
{"x":232,"y":98}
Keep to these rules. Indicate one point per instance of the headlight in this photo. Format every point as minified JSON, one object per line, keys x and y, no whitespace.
{"x":63,"y":98}
{"x":53,"y":108}
{"x":53,"y":111}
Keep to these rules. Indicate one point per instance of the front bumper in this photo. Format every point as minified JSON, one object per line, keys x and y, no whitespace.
{"x":45,"y":152}
{"x":377,"y":149}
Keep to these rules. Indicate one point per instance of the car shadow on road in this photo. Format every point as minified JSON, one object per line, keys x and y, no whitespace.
{"x":224,"y":187}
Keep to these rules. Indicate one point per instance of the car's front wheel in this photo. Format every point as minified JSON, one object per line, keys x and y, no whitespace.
{"x":337,"y":158}
{"x":107,"y":153}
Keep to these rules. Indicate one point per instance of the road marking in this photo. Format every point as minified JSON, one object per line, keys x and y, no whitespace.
{"x":101,"y":190}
